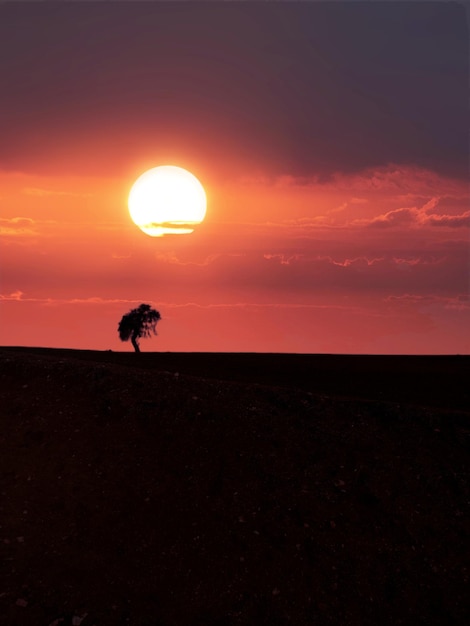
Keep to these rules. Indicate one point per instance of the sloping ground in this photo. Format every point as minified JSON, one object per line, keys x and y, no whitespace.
{"x":436,"y":381}
{"x":136,"y":496}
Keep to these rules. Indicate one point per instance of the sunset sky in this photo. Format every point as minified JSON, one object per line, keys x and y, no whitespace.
{"x":332,"y":142}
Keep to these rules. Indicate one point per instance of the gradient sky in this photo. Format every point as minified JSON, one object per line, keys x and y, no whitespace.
{"x":332,"y":141}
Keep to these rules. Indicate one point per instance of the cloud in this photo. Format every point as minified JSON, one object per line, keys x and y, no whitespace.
{"x":404,"y":181}
{"x":98,"y":300}
{"x":17,"y":221}
{"x":174,"y":259}
{"x":19,"y":296}
{"x":460,"y":302}
{"x":17,"y":227}
{"x":410,"y":262}
{"x":399,"y":179}
{"x":382,"y":197}
{"x":358,"y":201}
{"x":359,"y":262}
{"x":284,"y":259}
{"x":416,"y":217}
{"x":450,"y":221}
{"x":397,"y":217}
{"x":372,"y":274}
{"x":15,"y":295}
{"x":171,"y":257}
{"x":40,"y":192}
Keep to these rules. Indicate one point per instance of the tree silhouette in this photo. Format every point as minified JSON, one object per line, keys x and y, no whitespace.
{"x":138,"y":323}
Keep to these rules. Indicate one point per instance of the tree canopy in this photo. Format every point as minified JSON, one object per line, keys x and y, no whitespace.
{"x":139,"y":322}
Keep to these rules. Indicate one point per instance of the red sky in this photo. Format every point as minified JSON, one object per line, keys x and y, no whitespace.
{"x":332,"y":141}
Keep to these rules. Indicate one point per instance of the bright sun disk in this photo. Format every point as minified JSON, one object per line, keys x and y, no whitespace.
{"x":167,"y":200}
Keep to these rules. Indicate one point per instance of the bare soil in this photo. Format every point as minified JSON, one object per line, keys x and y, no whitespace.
{"x":228,"y":489}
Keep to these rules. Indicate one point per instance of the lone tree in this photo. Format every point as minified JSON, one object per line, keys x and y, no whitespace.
{"x":138,"y":323}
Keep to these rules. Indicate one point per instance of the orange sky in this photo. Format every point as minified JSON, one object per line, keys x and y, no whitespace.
{"x":335,"y":163}
{"x":374,"y":262}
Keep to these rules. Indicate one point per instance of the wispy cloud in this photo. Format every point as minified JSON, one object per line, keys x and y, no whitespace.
{"x":15,"y":296}
{"x":19,"y":296}
{"x":398,"y":179}
{"x":415,"y":217}
{"x":356,"y":262}
{"x":391,"y":178}
{"x":450,"y":221}
{"x":353,"y":262}
{"x":174,"y":259}
{"x":460,"y":302}
{"x":17,"y":227}
{"x":40,"y":192}
{"x":284,"y":259}
{"x":268,"y":306}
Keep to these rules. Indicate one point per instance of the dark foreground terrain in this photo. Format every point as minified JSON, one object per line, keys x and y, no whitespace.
{"x":203,"y":489}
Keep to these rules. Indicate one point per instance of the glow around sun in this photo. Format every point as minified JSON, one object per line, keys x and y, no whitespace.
{"x":167,"y":200}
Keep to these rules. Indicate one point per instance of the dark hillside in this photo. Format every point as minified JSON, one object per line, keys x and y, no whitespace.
{"x":437,"y":381}
{"x":134,"y":491}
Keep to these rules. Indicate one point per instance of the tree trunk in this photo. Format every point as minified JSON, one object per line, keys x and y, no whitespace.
{"x":134,"y":343}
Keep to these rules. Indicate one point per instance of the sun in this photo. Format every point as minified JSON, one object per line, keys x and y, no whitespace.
{"x":167,"y":200}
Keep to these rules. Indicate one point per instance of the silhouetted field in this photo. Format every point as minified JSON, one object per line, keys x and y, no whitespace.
{"x":171,"y":489}
{"x":437,"y":381}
